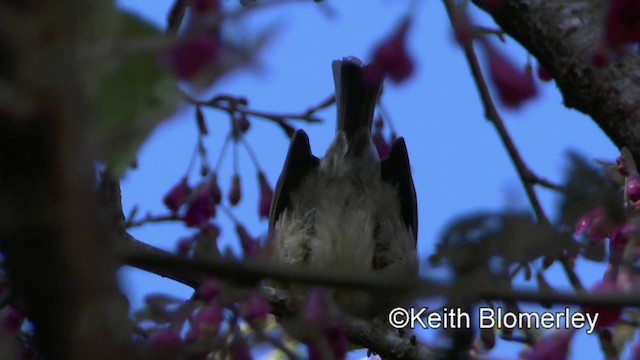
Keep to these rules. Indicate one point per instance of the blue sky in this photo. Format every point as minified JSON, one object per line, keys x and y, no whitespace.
{"x":459,"y":164}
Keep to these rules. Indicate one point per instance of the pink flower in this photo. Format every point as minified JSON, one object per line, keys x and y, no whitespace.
{"x":266,"y":195}
{"x":621,"y":166}
{"x":633,"y":188}
{"x":619,"y":238}
{"x":514,"y":86}
{"x":208,"y":319}
{"x":235,"y":194}
{"x":201,"y":209}
{"x":184,"y":246}
{"x":193,"y":54}
{"x":552,"y":347}
{"x":315,"y":309}
{"x":543,"y":73}
{"x":250,"y":245}
{"x":607,"y":315}
{"x":255,"y":309}
{"x":209,"y":289}
{"x":178,"y":195}
{"x":391,"y":57}
{"x":594,"y":224}
{"x":622,"y":25}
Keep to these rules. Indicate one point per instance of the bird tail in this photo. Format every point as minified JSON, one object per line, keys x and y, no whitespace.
{"x":356,"y":97}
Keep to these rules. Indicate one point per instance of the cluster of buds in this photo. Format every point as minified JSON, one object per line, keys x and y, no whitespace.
{"x":597,"y":226}
{"x":329,"y":340}
{"x":201,"y":203}
{"x":208,"y":316}
{"x":200,"y":208}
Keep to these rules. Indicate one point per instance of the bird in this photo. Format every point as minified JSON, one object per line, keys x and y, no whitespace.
{"x":349,"y":211}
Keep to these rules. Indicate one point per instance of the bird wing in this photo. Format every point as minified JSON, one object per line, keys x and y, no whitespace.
{"x":396,"y":171}
{"x":298,"y":164}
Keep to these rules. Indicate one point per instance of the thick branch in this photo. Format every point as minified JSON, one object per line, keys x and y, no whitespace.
{"x":57,"y":256}
{"x":563,"y":35}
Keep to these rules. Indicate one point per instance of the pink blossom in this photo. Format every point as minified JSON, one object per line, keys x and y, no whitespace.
{"x":621,"y":166}
{"x":543,"y":73}
{"x":250,"y":245}
{"x":192,"y":55}
{"x":184,"y":246}
{"x":594,"y":224}
{"x":178,"y":195}
{"x":514,"y":86}
{"x":201,"y":209}
{"x":208,"y":319}
{"x":633,"y":188}
{"x":619,"y":238}
{"x":235,"y":194}
{"x":209,"y":289}
{"x":391,"y":57}
{"x":255,"y":309}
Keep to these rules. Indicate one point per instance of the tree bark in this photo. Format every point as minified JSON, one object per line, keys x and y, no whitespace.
{"x":563,"y":35}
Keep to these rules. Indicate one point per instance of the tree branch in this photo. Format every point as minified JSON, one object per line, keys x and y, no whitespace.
{"x":562,"y":35}
{"x":57,"y":256}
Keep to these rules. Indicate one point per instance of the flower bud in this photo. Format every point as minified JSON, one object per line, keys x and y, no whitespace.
{"x":250,"y":246}
{"x":633,"y":188}
{"x":209,"y":290}
{"x":178,"y":195}
{"x":235,"y":194}
{"x":201,"y":209}
{"x":391,"y":57}
{"x":514,"y":87}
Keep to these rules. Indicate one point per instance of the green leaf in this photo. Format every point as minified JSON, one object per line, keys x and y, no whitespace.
{"x":134,"y":94}
{"x":470,"y":242}
{"x":586,"y":188}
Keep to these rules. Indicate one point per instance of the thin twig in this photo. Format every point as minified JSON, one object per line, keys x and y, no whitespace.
{"x":153,"y":219}
{"x":527,"y":177}
{"x":231,"y":105}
